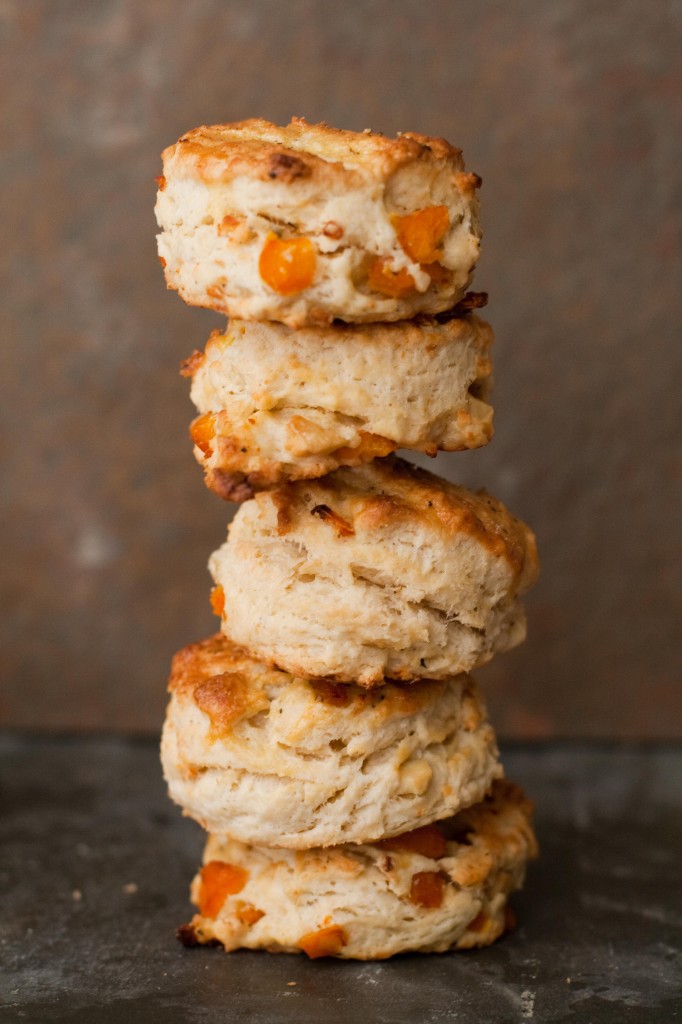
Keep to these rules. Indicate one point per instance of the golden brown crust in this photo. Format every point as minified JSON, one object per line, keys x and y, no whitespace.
{"x":455,"y":510}
{"x":226,"y":699}
{"x":236,"y":487}
{"x":190,"y":365}
{"x":227,"y":684}
{"x":219,"y":678}
{"x":239,"y":485}
{"x":393,"y":492}
{"x":302,"y":152}
{"x":465,"y":306}
{"x":204,"y":659}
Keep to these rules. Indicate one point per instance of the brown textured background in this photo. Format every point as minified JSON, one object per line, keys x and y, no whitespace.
{"x":571,"y":113}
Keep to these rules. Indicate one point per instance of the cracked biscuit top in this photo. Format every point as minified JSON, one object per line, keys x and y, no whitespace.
{"x":307,"y":223}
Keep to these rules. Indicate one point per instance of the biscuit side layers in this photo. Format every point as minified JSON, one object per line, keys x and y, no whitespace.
{"x":382,"y":571}
{"x":277,"y":404}
{"x":274,"y":760}
{"x":439,"y":888}
{"x":305,"y":223}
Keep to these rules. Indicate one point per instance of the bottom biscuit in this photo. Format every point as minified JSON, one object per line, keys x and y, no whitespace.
{"x":439,"y":887}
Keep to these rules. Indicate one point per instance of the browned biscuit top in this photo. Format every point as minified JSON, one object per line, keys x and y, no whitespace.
{"x":221,"y":680}
{"x":228,"y":685}
{"x":390,"y":492}
{"x":301,"y":151}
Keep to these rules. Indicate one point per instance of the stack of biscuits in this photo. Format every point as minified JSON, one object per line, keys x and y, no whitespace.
{"x":329,"y":738}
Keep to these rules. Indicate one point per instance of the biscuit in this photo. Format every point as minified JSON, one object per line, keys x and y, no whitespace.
{"x":380,"y":571}
{"x":306,"y":223}
{"x":437,"y":888}
{"x":278,"y":404}
{"x":271,"y":759}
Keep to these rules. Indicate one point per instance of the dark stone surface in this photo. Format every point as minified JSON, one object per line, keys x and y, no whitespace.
{"x":80,"y":820}
{"x":570,"y":112}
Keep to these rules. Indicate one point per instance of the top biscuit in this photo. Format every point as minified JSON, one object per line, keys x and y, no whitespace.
{"x":308,"y":223}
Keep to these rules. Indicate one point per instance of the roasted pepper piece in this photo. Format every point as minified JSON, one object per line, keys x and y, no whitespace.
{"x":426,"y":889}
{"x":202,"y":432}
{"x":218,"y":881}
{"x":218,"y":601}
{"x":394,"y":283}
{"x":325,"y":942}
{"x":287,"y":265}
{"x":421,"y":233}
{"x":428,"y":841}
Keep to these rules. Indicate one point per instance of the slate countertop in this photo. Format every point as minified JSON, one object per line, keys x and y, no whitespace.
{"x":95,"y":863}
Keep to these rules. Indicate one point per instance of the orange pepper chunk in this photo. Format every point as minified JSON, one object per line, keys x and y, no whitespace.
{"x":428,"y":841}
{"x":287,"y":265}
{"x":202,"y":432}
{"x":325,"y":942}
{"x":382,"y":278}
{"x":372,"y":446}
{"x":478,"y":923}
{"x":218,"y":601}
{"x":248,"y":914}
{"x":218,"y":881}
{"x":426,"y":889}
{"x":437,"y":272}
{"x":421,"y":233}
